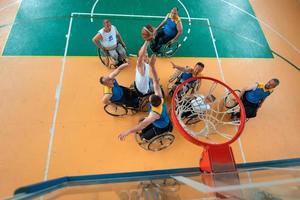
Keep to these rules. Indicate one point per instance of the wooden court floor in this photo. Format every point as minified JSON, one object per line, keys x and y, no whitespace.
{"x":85,"y":139}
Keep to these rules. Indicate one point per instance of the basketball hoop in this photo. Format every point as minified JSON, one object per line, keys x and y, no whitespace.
{"x":204,"y":115}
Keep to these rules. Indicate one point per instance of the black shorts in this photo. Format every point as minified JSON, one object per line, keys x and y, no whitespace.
{"x":151,"y":131}
{"x":129,"y":98}
{"x":250,"y":108}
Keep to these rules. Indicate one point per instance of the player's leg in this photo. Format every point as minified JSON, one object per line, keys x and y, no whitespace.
{"x":114,"y":54}
{"x":158,"y":40}
{"x":130,"y":98}
{"x":148,"y":133}
{"x":122,"y":52}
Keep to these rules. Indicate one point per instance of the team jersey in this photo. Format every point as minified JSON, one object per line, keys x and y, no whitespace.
{"x":185,"y":76}
{"x":142,"y":82}
{"x":164,"y":119}
{"x":110,"y":38}
{"x":259,"y":94}
{"x":116,"y":91}
{"x":170,"y":28}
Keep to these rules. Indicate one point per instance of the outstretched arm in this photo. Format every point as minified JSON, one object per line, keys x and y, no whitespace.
{"x":156,"y":86}
{"x":143,"y":124}
{"x":141,"y":55}
{"x":118,"y":70}
{"x":106,"y":98}
{"x":183,"y":69}
{"x":152,"y":60}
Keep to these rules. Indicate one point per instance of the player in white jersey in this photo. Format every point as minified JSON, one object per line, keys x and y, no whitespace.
{"x":109,"y":39}
{"x":143,"y":83}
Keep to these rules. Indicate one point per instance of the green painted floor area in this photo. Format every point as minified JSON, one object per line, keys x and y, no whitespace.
{"x":41,"y":26}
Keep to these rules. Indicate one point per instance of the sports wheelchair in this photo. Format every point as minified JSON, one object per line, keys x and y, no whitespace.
{"x":166,"y":50}
{"x":157,"y":143}
{"x":231,"y":105}
{"x":119,"y":109}
{"x":174,"y":81}
{"x":107,"y":60}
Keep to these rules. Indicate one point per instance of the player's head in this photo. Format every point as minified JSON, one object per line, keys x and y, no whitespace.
{"x":174,"y":12}
{"x":155,"y":100}
{"x":198,"y":68}
{"x":106,"y":80}
{"x":107,"y":25}
{"x":272,"y":83}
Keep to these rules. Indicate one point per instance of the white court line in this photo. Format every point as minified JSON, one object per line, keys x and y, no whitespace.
{"x":92,"y":11}
{"x":6,"y":37}
{"x":9,"y":5}
{"x":223,"y":79}
{"x":241,"y":147}
{"x":204,"y":188}
{"x":136,"y":16}
{"x":264,"y":23}
{"x":57,"y":99}
{"x":216,"y":51}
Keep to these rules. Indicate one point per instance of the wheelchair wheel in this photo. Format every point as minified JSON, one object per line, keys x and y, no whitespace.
{"x":169,"y":49}
{"x":104,"y":57}
{"x":229,"y":100}
{"x":175,"y":76}
{"x":161,"y":142}
{"x":115,"y":110}
{"x":144,"y":104}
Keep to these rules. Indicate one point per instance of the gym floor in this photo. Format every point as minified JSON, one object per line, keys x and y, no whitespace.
{"x":52,"y":121}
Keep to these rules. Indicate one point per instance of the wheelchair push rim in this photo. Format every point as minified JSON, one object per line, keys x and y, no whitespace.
{"x":161,"y":142}
{"x":169,"y":49}
{"x":115,"y":110}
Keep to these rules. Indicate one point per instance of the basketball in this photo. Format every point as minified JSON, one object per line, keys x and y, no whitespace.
{"x":147,"y":32}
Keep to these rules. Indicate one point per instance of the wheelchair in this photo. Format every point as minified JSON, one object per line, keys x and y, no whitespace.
{"x":231,"y":105}
{"x":157,"y":143}
{"x":174,"y":81}
{"x":117,"y":109}
{"x":107,"y":60}
{"x":167,"y":50}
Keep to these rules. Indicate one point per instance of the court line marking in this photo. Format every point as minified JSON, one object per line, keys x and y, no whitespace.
{"x":92,"y":11}
{"x":264,"y":23}
{"x":223,"y":79}
{"x":57,"y":100}
{"x":9,"y":5}
{"x":204,"y":188}
{"x":135,"y":16}
{"x":6,"y":37}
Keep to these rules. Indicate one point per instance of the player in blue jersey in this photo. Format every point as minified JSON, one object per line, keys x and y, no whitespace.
{"x":253,"y":97}
{"x":115,"y":93}
{"x":168,"y":30}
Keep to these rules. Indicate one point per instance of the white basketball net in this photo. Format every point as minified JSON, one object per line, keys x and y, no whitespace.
{"x":203,"y":114}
